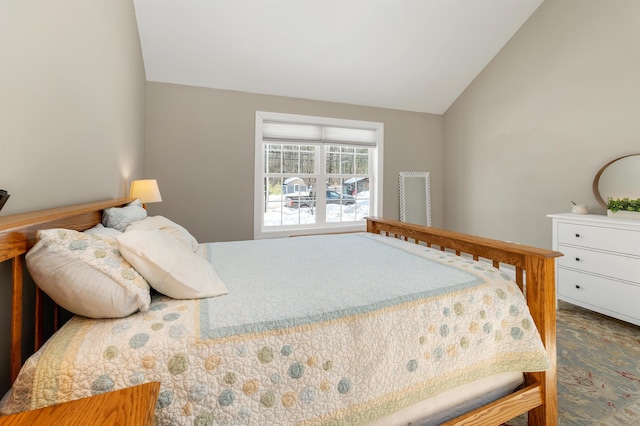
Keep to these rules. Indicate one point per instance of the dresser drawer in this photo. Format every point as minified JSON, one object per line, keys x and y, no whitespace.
{"x":609,"y":264}
{"x":600,"y":292}
{"x":602,"y":238}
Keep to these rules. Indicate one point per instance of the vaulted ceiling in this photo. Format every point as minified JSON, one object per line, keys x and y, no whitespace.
{"x":414,"y":55}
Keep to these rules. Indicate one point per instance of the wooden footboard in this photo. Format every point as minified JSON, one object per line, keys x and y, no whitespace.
{"x":534,"y":274}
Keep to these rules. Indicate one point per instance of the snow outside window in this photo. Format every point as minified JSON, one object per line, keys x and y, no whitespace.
{"x":315,"y":174}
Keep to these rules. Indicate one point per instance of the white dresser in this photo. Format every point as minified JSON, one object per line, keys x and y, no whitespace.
{"x":600,"y":269}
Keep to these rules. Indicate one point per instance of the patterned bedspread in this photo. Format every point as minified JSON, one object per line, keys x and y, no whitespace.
{"x":337,"y":329}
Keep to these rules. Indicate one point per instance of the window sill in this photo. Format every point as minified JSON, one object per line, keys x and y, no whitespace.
{"x":305,"y":231}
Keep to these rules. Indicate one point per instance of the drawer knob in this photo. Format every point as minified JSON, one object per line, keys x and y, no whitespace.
{"x":577,"y":235}
{"x":577,"y":285}
{"x":577,"y":259}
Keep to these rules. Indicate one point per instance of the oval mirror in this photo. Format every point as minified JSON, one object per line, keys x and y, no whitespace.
{"x":619,"y":178}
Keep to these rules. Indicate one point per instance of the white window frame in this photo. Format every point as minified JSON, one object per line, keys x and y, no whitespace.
{"x":376,"y":166}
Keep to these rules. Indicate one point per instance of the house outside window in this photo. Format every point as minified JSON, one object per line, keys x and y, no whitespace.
{"x":315,"y":174}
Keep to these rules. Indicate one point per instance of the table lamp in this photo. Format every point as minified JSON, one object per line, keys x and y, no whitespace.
{"x":146,"y":190}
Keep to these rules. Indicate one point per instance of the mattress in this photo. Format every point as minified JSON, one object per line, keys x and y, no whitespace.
{"x":340,"y":329}
{"x":454,"y":402}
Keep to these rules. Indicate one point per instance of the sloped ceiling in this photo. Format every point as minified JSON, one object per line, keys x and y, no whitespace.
{"x":414,"y":55}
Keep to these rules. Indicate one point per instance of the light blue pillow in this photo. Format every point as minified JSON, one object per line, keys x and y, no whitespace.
{"x":120,"y":217}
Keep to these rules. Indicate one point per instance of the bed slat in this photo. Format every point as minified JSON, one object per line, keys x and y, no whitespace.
{"x":16,"y":318}
{"x":39,"y":325}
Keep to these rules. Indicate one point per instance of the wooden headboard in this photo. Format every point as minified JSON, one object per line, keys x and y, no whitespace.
{"x":17,"y":236}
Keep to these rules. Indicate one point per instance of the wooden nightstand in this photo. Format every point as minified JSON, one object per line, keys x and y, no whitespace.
{"x":130,"y":406}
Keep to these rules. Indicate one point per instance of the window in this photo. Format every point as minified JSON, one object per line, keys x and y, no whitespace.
{"x":315,"y":174}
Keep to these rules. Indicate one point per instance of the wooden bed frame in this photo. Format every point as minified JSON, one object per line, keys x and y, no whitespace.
{"x":534,"y":273}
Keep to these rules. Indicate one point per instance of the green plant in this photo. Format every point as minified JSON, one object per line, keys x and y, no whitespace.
{"x":275,"y":189}
{"x":625,"y":204}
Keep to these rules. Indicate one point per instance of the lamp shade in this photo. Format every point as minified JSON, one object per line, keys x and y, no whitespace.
{"x":146,"y":190}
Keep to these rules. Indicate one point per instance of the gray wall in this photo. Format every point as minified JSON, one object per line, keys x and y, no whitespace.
{"x":560,"y":100}
{"x":200,"y":147}
{"x":72,"y":100}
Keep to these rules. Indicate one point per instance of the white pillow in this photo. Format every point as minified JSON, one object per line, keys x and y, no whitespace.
{"x":120,"y":217}
{"x":170,"y":268}
{"x":170,"y":228}
{"x":86,"y":275}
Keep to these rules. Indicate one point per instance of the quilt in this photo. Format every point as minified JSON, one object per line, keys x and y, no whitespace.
{"x":338,"y":329}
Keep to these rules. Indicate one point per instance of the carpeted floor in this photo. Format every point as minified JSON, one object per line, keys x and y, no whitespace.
{"x":598,"y":370}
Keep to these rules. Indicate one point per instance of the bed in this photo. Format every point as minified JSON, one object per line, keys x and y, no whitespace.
{"x":270,"y":366}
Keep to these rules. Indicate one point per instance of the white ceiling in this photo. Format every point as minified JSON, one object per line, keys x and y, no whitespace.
{"x":414,"y":55}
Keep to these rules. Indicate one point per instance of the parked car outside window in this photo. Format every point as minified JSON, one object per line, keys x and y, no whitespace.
{"x":333,"y":197}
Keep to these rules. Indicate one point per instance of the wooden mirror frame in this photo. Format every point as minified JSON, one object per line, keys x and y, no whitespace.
{"x":596,"y":179}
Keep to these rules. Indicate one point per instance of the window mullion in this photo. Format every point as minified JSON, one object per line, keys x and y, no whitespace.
{"x":321,"y":185}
